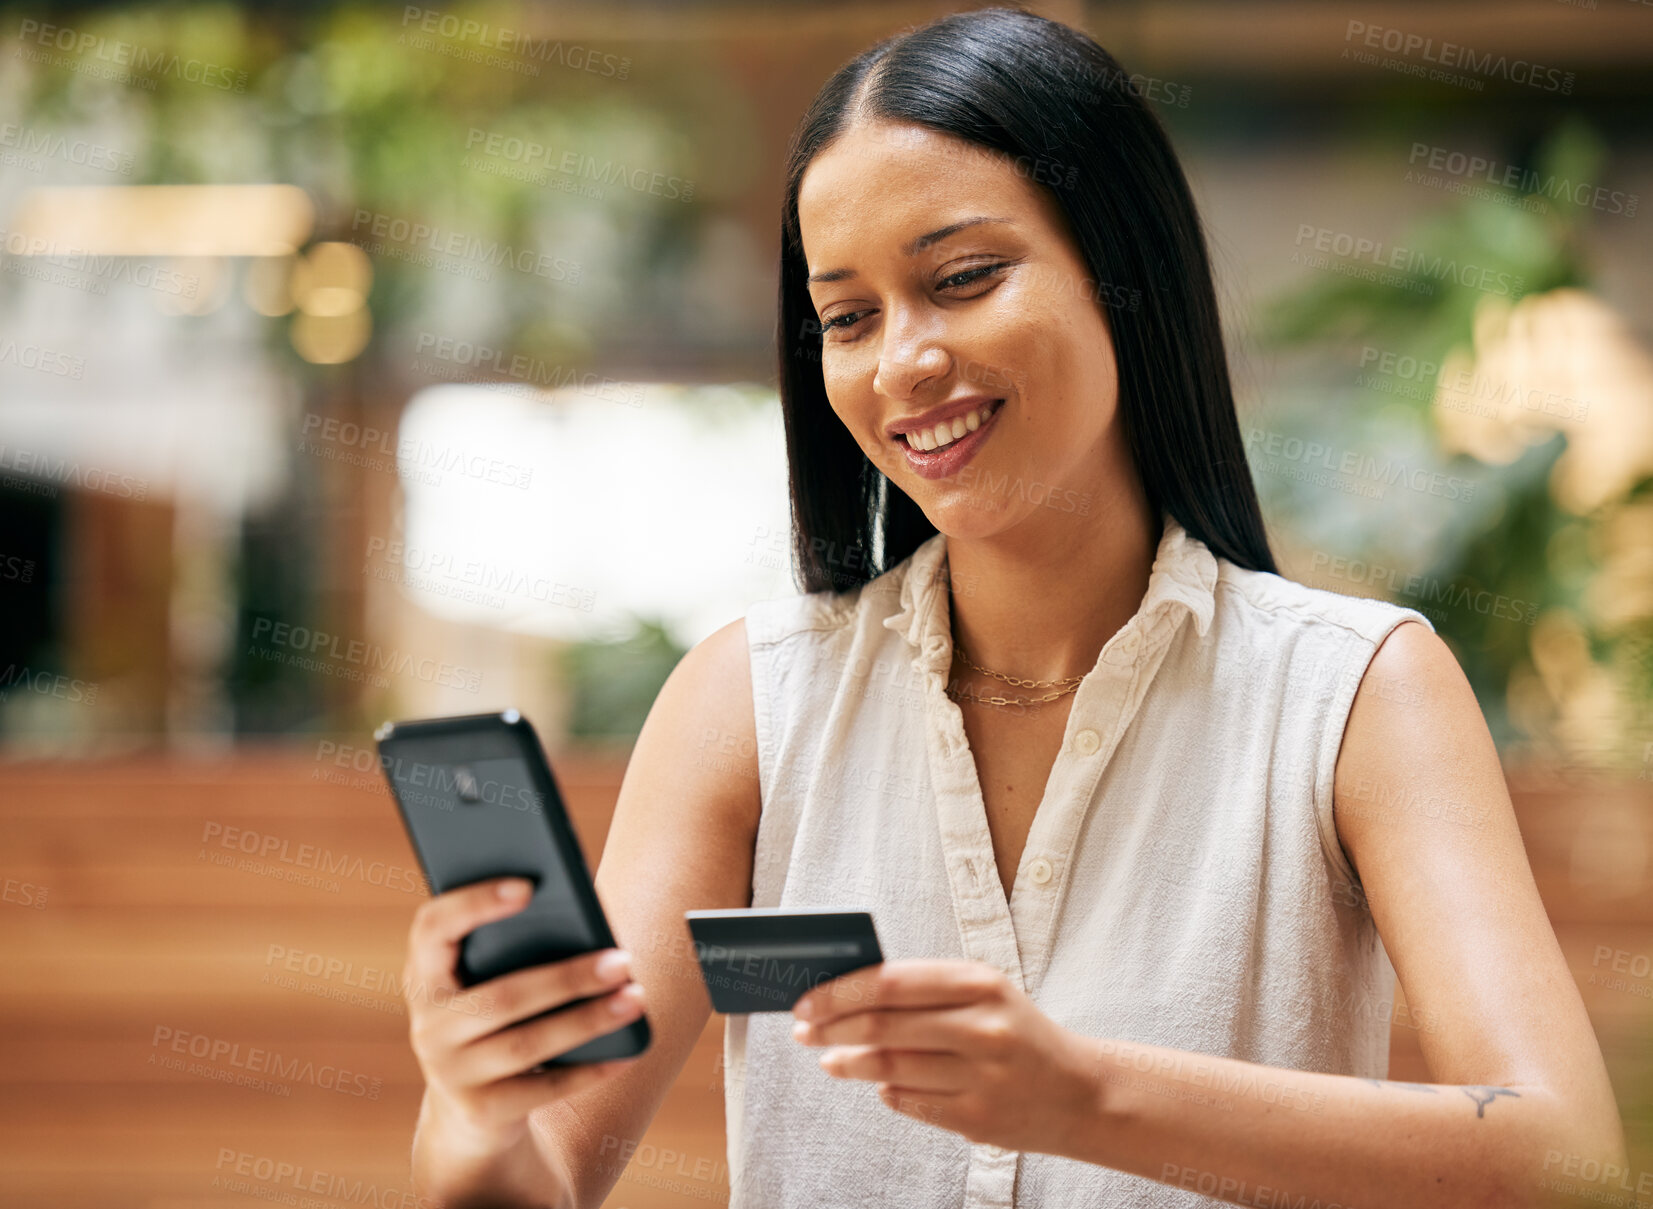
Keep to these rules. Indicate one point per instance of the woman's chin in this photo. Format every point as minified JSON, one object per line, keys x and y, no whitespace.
{"x":969,"y":514}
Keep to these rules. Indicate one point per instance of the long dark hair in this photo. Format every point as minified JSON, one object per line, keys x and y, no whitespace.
{"x":1047,"y":95}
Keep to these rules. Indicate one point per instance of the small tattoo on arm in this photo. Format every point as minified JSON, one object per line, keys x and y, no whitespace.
{"x":1485,"y":1095}
{"x":1480,"y":1094}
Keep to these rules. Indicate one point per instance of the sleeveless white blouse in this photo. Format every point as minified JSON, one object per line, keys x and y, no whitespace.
{"x":1182,"y":884}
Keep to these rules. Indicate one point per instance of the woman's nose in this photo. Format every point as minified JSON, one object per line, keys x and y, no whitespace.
{"x":904,"y":364}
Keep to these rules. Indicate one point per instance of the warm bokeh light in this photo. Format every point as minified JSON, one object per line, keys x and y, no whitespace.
{"x":331,"y":279}
{"x":267,"y":286}
{"x":331,"y":339}
{"x":161,"y":220}
{"x":1562,"y":361}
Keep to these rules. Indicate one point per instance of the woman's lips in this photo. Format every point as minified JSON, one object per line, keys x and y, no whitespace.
{"x":949,"y":459}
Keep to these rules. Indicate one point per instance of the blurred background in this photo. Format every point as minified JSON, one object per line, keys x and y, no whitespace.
{"x":364,"y":361}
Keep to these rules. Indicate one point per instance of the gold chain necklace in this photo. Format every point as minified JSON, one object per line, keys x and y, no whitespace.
{"x":1063,"y":686}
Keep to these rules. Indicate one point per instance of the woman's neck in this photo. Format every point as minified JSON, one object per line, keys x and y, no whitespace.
{"x":1041,"y":600}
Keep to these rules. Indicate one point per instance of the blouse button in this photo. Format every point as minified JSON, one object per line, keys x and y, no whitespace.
{"x":1087,"y":742}
{"x":1039,"y":871}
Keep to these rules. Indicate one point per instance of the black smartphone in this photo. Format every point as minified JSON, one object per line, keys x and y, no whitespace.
{"x":478,"y":800}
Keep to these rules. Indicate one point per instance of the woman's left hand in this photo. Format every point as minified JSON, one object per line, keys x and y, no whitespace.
{"x":958,"y":1045}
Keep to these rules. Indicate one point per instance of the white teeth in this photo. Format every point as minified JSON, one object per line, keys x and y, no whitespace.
{"x":949,"y":431}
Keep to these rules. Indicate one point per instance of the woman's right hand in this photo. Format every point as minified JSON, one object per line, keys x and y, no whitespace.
{"x":472,"y":1044}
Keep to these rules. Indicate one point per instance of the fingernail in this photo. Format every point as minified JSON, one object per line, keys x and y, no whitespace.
{"x":804,"y":1009}
{"x":512,"y":891}
{"x":613,"y":964}
{"x":624,"y":1002}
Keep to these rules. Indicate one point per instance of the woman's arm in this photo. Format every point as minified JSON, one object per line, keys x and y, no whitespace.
{"x":1524,"y":1101}
{"x":682,"y":837}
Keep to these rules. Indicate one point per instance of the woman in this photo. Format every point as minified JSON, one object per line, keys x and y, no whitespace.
{"x":1141,"y":823}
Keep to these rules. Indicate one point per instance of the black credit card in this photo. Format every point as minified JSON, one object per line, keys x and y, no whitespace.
{"x":761,"y":959}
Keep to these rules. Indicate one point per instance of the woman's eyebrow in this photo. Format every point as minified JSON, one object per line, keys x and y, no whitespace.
{"x":912,"y":249}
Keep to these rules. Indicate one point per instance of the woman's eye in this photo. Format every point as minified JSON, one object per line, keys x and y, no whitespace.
{"x":839,"y":320}
{"x":969,"y":275}
{"x":952,"y":282}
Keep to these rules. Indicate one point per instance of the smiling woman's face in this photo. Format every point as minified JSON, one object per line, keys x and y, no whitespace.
{"x":993,"y":328}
